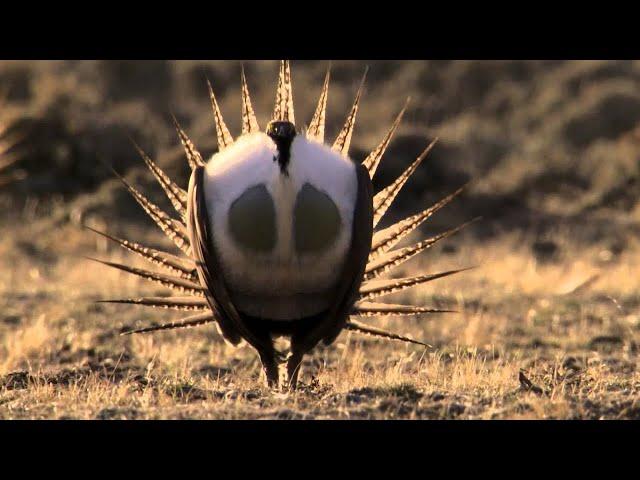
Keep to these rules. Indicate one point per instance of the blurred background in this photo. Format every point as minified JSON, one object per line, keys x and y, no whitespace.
{"x":546,"y":143}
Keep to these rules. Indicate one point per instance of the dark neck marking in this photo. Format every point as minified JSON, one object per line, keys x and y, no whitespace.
{"x":282,"y":133}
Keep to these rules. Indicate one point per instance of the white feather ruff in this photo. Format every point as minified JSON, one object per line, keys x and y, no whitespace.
{"x":281,"y":284}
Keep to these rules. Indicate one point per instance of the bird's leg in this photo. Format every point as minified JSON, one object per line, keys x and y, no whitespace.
{"x":282,"y":347}
{"x":270,"y":367}
{"x":294,"y":363}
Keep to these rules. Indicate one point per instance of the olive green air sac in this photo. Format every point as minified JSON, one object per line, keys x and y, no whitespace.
{"x":316,"y":220}
{"x":252,"y":220}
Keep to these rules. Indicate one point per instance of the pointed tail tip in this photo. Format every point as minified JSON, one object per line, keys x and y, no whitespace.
{"x":134,"y":143}
{"x":212,"y":95}
{"x":175,"y":121}
{"x":380,"y":333}
{"x":363,"y":81}
{"x":465,"y":224}
{"x":108,"y":166}
{"x":456,"y":271}
{"x":402,"y":111}
{"x":125,"y":331}
{"x":466,"y":269}
{"x":114,"y":301}
{"x":428,"y":149}
{"x":97,"y":260}
{"x":465,"y":186}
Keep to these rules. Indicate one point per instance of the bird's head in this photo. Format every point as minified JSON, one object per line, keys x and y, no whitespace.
{"x":282,"y":133}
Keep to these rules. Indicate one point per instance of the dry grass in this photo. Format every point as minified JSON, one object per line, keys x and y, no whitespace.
{"x":576,"y":343}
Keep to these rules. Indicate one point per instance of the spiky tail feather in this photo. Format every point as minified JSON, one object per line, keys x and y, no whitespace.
{"x":393,"y":259}
{"x":184,"y":268}
{"x":316,"y":127}
{"x":383,"y":199}
{"x":8,"y":143}
{"x":283,"y":109}
{"x":371,"y":309}
{"x":172,"y":303}
{"x":174,"y":283}
{"x":343,"y":142}
{"x":373,"y":159}
{"x":384,"y":240}
{"x":189,"y":322}
{"x":224,"y":137}
{"x":176,"y":195}
{"x":249,"y":120}
{"x":356,"y":326}
{"x":175,"y":230}
{"x":193,"y":156}
{"x":379,"y":288}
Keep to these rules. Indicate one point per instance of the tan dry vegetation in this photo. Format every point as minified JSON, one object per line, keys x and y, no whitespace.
{"x":572,"y":328}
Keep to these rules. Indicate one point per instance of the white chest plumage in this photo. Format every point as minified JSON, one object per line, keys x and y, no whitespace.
{"x":280,"y":281}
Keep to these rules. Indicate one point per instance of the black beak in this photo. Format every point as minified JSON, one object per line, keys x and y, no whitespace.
{"x":282,"y":133}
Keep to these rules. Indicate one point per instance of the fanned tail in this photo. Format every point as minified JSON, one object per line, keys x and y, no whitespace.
{"x":381,"y":260}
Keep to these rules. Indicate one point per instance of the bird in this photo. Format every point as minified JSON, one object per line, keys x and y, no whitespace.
{"x":278,"y":235}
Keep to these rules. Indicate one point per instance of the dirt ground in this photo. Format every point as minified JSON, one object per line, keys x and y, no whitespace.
{"x":547,"y":325}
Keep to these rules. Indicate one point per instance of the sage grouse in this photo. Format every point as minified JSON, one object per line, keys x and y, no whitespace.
{"x":277,"y":232}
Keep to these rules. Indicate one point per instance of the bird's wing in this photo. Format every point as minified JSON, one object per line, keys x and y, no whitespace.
{"x":353,"y":271}
{"x":209,"y":268}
